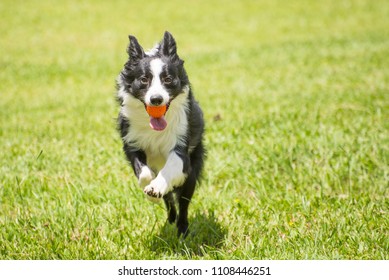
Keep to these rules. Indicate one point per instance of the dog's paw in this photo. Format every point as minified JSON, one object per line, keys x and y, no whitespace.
{"x":145,"y":177}
{"x":156,"y":189}
{"x":182,"y":230}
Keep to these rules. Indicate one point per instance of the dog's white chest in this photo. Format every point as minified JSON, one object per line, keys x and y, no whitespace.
{"x":156,"y":144}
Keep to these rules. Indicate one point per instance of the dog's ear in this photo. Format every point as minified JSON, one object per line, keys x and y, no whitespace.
{"x":168,"y":46}
{"x":134,"y":49}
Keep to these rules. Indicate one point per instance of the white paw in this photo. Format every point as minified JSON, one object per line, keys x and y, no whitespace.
{"x":157,"y":188}
{"x":145,"y":177}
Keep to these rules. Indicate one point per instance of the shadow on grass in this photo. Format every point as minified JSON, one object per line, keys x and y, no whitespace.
{"x":205,"y":239}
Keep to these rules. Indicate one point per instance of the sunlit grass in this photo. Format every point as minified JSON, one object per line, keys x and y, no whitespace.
{"x":295,"y":96}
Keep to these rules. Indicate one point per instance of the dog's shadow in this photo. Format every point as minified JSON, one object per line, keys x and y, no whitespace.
{"x":206,"y":236}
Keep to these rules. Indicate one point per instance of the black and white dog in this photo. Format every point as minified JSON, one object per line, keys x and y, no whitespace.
{"x":167,"y":152}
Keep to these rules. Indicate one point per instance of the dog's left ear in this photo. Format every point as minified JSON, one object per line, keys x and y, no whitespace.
{"x":169,"y":46}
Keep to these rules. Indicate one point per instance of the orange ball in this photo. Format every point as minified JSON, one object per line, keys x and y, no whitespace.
{"x":156,"y":111}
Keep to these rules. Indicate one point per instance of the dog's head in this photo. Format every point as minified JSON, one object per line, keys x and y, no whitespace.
{"x":155,"y":77}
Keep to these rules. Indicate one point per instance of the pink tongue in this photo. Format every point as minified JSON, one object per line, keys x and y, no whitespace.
{"x":158,"y":124}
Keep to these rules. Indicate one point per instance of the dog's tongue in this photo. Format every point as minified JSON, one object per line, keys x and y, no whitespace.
{"x":158,"y":123}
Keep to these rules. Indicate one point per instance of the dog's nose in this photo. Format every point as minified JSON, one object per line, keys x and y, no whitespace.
{"x":156,"y":100}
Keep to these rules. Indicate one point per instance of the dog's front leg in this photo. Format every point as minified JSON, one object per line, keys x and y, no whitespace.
{"x":138,"y":163}
{"x":173,"y":174}
{"x":145,"y":176}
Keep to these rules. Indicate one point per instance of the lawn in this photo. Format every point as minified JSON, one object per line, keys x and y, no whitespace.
{"x":296,"y":102}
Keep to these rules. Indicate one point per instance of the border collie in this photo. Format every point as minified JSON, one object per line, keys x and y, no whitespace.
{"x":165,"y":152}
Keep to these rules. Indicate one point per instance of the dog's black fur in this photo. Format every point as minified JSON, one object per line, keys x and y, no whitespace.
{"x":175,"y":154}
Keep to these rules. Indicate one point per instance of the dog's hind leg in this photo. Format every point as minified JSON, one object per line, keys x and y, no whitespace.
{"x":171,"y":208}
{"x":185,"y":193}
{"x":184,"y":196}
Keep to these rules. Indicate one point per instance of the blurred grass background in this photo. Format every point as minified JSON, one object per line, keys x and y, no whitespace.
{"x":295,"y":95}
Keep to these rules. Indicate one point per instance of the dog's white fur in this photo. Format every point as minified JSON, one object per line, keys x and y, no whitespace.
{"x":171,"y":175}
{"x":145,"y":176}
{"x":156,"y":87}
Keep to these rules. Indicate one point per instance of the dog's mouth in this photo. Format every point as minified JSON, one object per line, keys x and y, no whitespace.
{"x":157,"y":120}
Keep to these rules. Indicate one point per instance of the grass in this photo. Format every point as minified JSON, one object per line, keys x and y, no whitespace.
{"x":296,"y":101}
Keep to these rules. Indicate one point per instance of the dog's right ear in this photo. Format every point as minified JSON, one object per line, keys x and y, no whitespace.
{"x":135,"y":50}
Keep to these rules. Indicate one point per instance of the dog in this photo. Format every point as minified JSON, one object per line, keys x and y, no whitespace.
{"x":166,"y":153}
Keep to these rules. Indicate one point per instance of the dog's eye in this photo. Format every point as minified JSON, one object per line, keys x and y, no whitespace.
{"x":167,"y":80}
{"x":144,"y":80}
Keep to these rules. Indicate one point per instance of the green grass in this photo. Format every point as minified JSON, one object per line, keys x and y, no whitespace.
{"x":296,"y":101}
